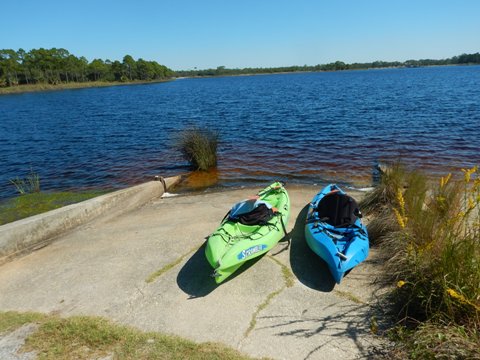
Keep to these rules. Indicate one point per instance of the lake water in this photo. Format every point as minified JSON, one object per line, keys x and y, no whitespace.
{"x":304,"y":128}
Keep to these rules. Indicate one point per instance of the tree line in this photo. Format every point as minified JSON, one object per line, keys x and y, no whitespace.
{"x":56,"y":66}
{"x":335,"y":66}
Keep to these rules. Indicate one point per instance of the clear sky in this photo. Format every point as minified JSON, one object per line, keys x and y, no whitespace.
{"x":184,"y":34}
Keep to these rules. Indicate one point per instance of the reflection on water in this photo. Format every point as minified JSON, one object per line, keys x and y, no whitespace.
{"x":198,"y":180}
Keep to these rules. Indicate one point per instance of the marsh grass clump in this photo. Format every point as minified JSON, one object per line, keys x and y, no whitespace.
{"x":435,"y":249}
{"x":383,"y":195}
{"x":28,"y":185}
{"x":378,"y":203}
{"x":431,"y":245}
{"x":199,"y":147}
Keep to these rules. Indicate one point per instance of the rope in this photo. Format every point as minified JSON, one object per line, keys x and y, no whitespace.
{"x":283,"y":224}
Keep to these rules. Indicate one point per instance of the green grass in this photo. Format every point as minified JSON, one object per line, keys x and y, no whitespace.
{"x":36,"y":203}
{"x":429,"y":233}
{"x":199,"y":147}
{"x":82,"y":337}
{"x":10,"y":320}
{"x":288,"y":277}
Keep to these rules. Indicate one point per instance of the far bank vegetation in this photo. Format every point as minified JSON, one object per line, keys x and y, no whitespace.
{"x":58,"y":66}
{"x":37,"y":68}
{"x":464,"y":59}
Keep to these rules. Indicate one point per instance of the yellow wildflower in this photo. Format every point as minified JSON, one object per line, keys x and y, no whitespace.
{"x":476,"y":183}
{"x":454,"y":294}
{"x":441,"y":199}
{"x":401,"y":201}
{"x":468,"y":173}
{"x":428,"y":246}
{"x":471,"y":204}
{"x":400,"y":219}
{"x":400,"y":283}
{"x":444,"y":180}
{"x":461,"y":298}
{"x":410,"y":249}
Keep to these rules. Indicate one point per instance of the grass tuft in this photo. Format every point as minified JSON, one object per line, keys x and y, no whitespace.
{"x":383,"y":195}
{"x":31,"y":184}
{"x":199,"y":147}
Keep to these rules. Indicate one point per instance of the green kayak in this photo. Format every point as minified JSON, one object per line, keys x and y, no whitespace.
{"x":251,"y":228}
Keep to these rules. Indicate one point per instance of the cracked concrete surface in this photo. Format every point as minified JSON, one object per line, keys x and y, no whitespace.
{"x":101,"y":268}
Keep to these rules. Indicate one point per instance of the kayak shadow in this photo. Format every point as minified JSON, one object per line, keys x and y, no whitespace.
{"x":307,"y":266}
{"x":195,"y":279}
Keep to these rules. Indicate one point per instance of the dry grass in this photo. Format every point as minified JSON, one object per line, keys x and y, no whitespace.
{"x":433,"y":342}
{"x":430,"y":235}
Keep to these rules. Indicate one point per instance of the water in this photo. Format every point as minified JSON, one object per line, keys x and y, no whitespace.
{"x":306,"y":128}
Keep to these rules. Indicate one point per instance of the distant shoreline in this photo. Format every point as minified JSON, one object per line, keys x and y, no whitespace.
{"x":21,"y":89}
{"x":315,"y":71}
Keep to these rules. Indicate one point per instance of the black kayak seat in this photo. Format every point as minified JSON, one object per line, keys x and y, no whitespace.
{"x":337,"y":209}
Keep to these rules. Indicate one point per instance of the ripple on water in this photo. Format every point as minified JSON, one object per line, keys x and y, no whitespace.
{"x":308,"y":128}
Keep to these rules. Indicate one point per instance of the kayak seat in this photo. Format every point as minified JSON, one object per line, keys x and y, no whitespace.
{"x":338,"y":210}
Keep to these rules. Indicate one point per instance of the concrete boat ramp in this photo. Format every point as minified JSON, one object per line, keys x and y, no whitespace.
{"x":146,"y":268}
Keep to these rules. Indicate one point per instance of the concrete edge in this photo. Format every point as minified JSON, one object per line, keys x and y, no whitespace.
{"x":29,"y":234}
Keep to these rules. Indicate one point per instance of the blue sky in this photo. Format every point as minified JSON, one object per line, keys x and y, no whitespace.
{"x":184,"y":34}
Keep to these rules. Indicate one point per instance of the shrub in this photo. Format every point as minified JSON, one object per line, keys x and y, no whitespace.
{"x":199,"y":147}
{"x":432,"y":247}
{"x":435,"y":250}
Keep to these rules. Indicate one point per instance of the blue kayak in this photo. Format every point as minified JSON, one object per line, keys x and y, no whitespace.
{"x":335,"y":232}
